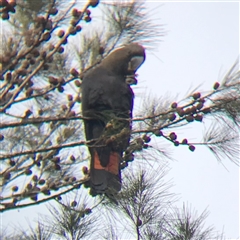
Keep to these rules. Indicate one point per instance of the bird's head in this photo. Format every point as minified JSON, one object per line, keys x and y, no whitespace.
{"x":125,"y":60}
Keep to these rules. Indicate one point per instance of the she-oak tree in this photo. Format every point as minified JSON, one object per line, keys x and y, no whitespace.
{"x":47,"y":48}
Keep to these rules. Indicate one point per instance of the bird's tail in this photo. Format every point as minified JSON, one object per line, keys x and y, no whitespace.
{"x":105,"y":179}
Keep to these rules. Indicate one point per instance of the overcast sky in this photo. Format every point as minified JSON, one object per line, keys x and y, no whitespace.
{"x":201,"y":44}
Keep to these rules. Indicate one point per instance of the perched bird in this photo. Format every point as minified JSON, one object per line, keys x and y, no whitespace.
{"x":107,"y":103}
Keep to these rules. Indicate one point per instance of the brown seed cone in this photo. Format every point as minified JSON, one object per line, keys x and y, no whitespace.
{"x":72,"y":179}
{"x":88,"y":211}
{"x":53,"y":80}
{"x":72,"y":30}
{"x":38,"y":163}
{"x":66,"y":178}
{"x":139,"y":222}
{"x":3,"y":3}
{"x":101,"y":50}
{"x":32,"y":61}
{"x":25,"y":64}
{"x":145,"y":146}
{"x":76,"y":13}
{"x":172,"y":117}
{"x":180,"y":112}
{"x":35,"y":53}
{"x":15,"y":188}
{"x":176,"y":143}
{"x":41,"y":182}
{"x":196,"y":95}
{"x":57,"y":167}
{"x":27,"y":113}
{"x":46,"y":97}
{"x":198,"y":117}
{"x":7,"y":175}
{"x":190,"y":118}
{"x":199,"y":105}
{"x":184,"y":141}
{"x":29,"y":186}
{"x":88,"y":12}
{"x":12,"y":3}
{"x":69,"y":97}
{"x":61,"y":80}
{"x":34,"y":197}
{"x":216,"y":85}
{"x":74,"y":72}
{"x":78,"y":99}
{"x":188,"y":110}
{"x":59,"y":198}
{"x":40,"y":112}
{"x":21,"y":71}
{"x":49,"y":25}
{"x":45,"y":191}
{"x":35,"y":178}
{"x":56,"y":159}
{"x":10,"y":8}
{"x":60,"y":89}
{"x":53,"y":11}
{"x":64,"y":107}
{"x":85,"y":170}
{"x":29,"y":92}
{"x":74,"y":22}
{"x":5,"y":16}
{"x":174,"y":105}
{"x":28,"y":172}
{"x":78,"y":28}
{"x":51,"y":47}
{"x":60,"y":50}
{"x":87,"y":19}
{"x":158,"y":133}
{"x":191,"y":148}
{"x":46,"y":36}
{"x":173,"y":136}
{"x":93,"y":3}
{"x":193,"y":109}
{"x":61,"y":33}
{"x":77,"y":83}
{"x":1,"y":137}
{"x":12,"y":163}
{"x":206,"y":110}
{"x":73,"y":204}
{"x":65,"y":42}
{"x":146,"y":138}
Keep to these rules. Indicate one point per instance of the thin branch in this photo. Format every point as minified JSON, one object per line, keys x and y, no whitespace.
{"x":46,"y":149}
{"x":10,"y":206}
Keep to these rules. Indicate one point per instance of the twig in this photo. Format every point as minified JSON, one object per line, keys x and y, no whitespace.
{"x":10,"y":206}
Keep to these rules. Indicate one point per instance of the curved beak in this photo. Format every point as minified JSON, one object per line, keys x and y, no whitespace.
{"x":135,"y":63}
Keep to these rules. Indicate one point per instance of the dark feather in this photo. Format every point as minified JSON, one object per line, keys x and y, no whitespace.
{"x":106,"y":97}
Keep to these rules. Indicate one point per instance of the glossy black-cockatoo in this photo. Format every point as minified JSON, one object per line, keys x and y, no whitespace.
{"x":107,"y":104}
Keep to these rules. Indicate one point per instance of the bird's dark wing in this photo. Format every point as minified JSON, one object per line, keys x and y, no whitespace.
{"x":104,"y":100}
{"x":107,"y":102}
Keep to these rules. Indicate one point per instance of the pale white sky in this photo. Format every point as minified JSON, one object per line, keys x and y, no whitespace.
{"x":202,"y":43}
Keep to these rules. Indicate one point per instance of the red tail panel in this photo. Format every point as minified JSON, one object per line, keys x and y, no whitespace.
{"x":97,"y":164}
{"x":113,"y":165}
